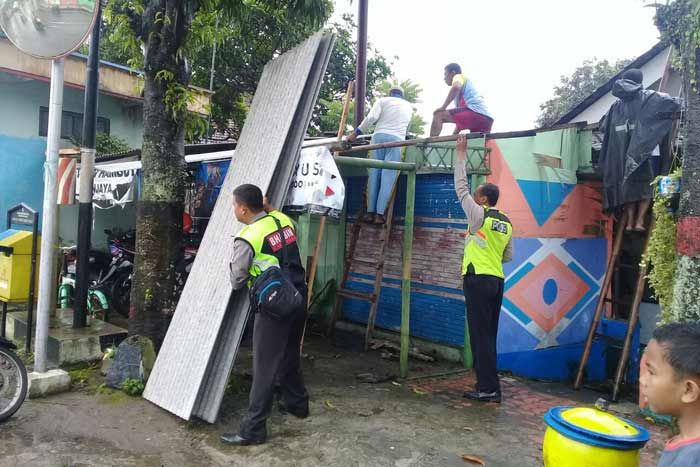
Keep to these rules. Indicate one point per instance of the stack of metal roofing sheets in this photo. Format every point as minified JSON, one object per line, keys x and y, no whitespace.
{"x":197,"y":356}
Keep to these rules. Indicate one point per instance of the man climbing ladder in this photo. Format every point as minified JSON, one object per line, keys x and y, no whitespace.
{"x":391,"y":116}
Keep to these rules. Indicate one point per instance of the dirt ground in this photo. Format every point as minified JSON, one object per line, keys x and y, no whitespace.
{"x":419,"y":422}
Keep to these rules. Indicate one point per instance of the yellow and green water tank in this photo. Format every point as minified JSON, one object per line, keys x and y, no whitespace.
{"x":15,"y":265}
{"x":589,"y":437}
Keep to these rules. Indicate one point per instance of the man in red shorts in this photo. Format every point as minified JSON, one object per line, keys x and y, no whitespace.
{"x":469,"y":112}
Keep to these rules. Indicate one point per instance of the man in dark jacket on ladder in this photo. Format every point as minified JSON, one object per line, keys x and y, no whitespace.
{"x":276,"y":358}
{"x":488,"y":244}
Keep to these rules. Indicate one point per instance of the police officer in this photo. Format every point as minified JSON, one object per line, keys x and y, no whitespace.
{"x":488,"y":244}
{"x":276,"y":343}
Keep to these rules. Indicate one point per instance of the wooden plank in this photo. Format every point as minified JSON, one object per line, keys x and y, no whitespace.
{"x":188,"y":365}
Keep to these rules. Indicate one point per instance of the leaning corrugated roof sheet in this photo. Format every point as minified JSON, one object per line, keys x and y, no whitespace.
{"x":195,"y":361}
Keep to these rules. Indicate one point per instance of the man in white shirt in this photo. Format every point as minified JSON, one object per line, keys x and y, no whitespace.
{"x":391,"y":117}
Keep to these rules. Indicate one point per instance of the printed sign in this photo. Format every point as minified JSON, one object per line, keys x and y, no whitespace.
{"x":317,"y":186}
{"x":114,"y":185}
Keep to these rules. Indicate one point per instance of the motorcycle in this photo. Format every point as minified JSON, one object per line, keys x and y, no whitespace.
{"x":111,"y":291}
{"x":13,"y":380}
{"x":98,"y":263}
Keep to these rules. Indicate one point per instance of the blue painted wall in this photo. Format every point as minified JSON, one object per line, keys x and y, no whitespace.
{"x":22,"y":150}
{"x":551,"y":284}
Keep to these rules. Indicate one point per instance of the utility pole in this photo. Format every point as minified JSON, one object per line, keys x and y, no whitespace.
{"x":87,"y":173}
{"x":361,"y":70}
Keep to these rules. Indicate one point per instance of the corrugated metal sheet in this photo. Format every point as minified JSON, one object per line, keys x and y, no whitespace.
{"x":195,"y":361}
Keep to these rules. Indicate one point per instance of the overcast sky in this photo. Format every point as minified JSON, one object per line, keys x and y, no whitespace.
{"x":514,"y":50}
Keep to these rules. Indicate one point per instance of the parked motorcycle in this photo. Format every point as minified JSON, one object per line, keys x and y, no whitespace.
{"x":13,"y":380}
{"x":98,"y":264}
{"x":111,"y":291}
{"x":110,"y":285}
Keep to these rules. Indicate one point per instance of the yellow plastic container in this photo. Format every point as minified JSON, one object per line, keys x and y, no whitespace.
{"x":588,"y":437}
{"x":15,"y":265}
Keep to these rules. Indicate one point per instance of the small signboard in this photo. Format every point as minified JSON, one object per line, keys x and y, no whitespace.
{"x":21,"y":215}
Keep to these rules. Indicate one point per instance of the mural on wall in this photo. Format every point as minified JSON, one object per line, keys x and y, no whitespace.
{"x":561,"y":244}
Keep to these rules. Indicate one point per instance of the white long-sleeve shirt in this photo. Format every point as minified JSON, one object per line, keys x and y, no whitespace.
{"x":390,"y":115}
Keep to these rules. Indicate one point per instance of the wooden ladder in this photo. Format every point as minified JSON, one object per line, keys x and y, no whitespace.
{"x":378,"y":263}
{"x":614,"y":265}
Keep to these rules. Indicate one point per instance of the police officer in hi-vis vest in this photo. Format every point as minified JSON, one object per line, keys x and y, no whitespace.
{"x":487,"y":246}
{"x":276,"y":355}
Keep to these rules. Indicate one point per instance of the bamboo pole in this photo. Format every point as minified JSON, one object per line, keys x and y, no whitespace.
{"x":322,"y":225}
{"x":601,"y":300}
{"x":375,"y":164}
{"x":410,"y":142}
{"x":406,"y":279}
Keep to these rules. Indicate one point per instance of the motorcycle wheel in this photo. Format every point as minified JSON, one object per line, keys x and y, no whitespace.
{"x":120,"y":296}
{"x":13,"y":383}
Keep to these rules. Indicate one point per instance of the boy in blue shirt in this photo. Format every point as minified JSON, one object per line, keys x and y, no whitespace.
{"x":672,"y":387}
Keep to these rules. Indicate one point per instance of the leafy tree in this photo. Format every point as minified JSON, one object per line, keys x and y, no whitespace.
{"x":679,"y":23}
{"x":171,"y":33}
{"x":341,"y":70}
{"x":575,"y":88}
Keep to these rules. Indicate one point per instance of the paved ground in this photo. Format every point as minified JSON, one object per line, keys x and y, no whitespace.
{"x":422,"y":422}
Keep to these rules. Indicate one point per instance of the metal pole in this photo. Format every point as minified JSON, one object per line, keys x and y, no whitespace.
{"x":406,"y":279}
{"x":361,"y":70}
{"x":212,"y":71}
{"x":87,"y":167}
{"x":4,"y":319}
{"x":49,"y":237}
{"x":32,"y":280}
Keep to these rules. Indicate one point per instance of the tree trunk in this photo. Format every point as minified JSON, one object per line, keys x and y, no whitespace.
{"x":686,"y":290}
{"x":159,"y":211}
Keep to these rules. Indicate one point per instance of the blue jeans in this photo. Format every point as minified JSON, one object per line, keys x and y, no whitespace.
{"x":381,"y":181}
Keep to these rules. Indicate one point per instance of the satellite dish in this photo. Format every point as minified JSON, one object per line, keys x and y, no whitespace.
{"x":47,"y":28}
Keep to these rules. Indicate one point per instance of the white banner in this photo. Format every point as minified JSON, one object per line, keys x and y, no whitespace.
{"x":317,"y":186}
{"x":114,"y":184}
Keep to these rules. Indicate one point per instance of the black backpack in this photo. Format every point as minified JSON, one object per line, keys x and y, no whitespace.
{"x":273,"y":292}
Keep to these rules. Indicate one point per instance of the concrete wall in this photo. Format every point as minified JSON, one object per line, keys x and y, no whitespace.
{"x":22,"y":150}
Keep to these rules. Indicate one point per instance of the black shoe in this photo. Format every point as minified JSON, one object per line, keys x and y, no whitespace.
{"x":234,"y":439}
{"x":298,"y":413}
{"x":494,"y":396}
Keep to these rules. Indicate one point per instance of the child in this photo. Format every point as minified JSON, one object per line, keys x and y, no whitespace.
{"x":672,"y":387}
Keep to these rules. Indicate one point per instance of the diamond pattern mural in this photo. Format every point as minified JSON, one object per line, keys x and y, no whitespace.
{"x":548,"y":290}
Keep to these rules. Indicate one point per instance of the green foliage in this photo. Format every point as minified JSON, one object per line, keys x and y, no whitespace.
{"x":133,"y":387}
{"x":246,"y":34}
{"x":661,"y":251}
{"x":109,"y":144}
{"x":328,"y":122}
{"x":575,"y":88}
{"x":686,"y":291}
{"x":679,"y":23}
{"x":341,"y":70}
